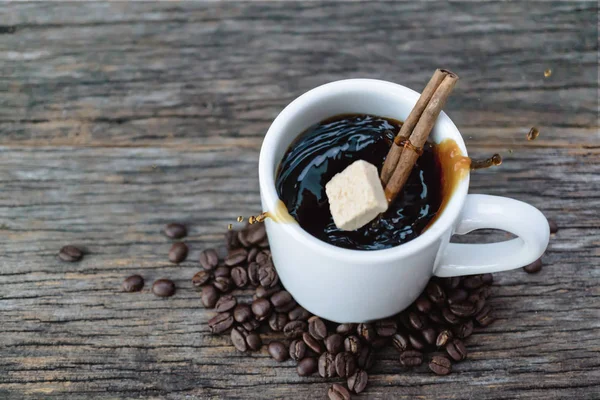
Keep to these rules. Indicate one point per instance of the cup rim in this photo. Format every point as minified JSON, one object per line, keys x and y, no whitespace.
{"x":267,"y":164}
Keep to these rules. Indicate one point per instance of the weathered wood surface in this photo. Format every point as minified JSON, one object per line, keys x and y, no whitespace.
{"x":117,"y":118}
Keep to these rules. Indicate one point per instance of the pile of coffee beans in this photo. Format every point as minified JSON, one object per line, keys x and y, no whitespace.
{"x":432,"y":330}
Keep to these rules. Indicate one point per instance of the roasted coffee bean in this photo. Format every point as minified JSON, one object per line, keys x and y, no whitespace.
{"x":226,"y":303}
{"x":251,"y":325}
{"x":253,"y":340}
{"x":252,"y":253}
{"x":457,"y":350}
{"x":365,"y":358}
{"x":415,"y":342}
{"x":452,"y":282}
{"x":262,"y":292}
{"x":465,"y":330}
{"x":238,"y":338}
{"x":450,"y":317}
{"x":327,"y":365}
{"x":401,"y":342}
{"x":222,"y":272}
{"x":178,"y":252}
{"x":463,"y":310}
{"x":338,"y":392}
{"x":294,"y":329}
{"x":200,"y":278}
{"x":416,"y":321}
{"x":281,"y":298}
{"x":307,"y":366}
{"x":221,"y":322}
{"x":297,"y":350}
{"x":487,"y":278}
{"x":473,"y":282}
{"x":435,"y":293}
{"x":299,"y":313}
{"x":278,"y":351}
{"x":457,"y":296}
{"x":345,"y":365}
{"x":134,"y":283}
{"x":223,"y":284}
{"x":261,"y":309}
{"x":440,"y":365}
{"x":436,"y":317}
{"x":443,"y":338}
{"x":411,"y":358}
{"x":236,"y":257}
{"x":277,"y":321}
{"x":242,"y":313}
{"x":312,"y":343}
{"x":239,"y":276}
{"x":256,"y":233}
{"x":253,"y":274}
{"x":317,"y":328}
{"x":352,"y":344}
{"x":163,"y":288}
{"x":262,"y":258}
{"x":231,"y":240}
{"x":267,"y":275}
{"x":534,"y":267}
{"x":286,"y":307}
{"x":429,"y":334}
{"x":209,"y":259}
{"x":479,"y":302}
{"x":334,"y":343}
{"x":366,"y":331}
{"x":552,"y":225}
{"x":209,"y":296}
{"x":423,"y":304}
{"x":358,"y":381}
{"x":175,"y":231}
{"x":386,"y":327}
{"x":242,"y":238}
{"x":346,"y":329}
{"x":484,"y":317}
{"x":70,"y":254}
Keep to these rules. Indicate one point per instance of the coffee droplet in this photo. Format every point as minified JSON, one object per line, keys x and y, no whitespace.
{"x":533,"y":133}
{"x":252,"y":220}
{"x":230,"y":226}
{"x":261,"y":217}
{"x":547,"y":73}
{"x":496,"y":159}
{"x":240,"y":218}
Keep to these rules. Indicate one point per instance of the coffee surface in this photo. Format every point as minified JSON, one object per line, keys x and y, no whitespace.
{"x":326,"y":149}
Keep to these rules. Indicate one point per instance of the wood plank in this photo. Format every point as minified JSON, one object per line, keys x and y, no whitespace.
{"x":116,"y":118}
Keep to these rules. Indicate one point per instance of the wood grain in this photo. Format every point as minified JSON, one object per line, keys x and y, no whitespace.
{"x":116,"y":118}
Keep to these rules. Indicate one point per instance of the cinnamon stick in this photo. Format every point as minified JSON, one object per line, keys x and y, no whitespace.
{"x":419,"y":135}
{"x":393,"y":156}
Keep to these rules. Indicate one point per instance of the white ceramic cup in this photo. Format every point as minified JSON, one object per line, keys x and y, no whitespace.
{"x":345,"y":285}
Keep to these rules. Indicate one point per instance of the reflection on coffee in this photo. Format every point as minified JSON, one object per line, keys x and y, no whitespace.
{"x":326,"y":149}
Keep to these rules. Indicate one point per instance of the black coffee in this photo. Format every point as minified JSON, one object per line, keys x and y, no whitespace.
{"x":326,"y":149}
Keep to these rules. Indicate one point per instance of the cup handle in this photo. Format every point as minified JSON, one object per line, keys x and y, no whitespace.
{"x":484,"y":211}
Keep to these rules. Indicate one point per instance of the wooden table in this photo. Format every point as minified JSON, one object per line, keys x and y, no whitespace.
{"x":117,"y":118}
